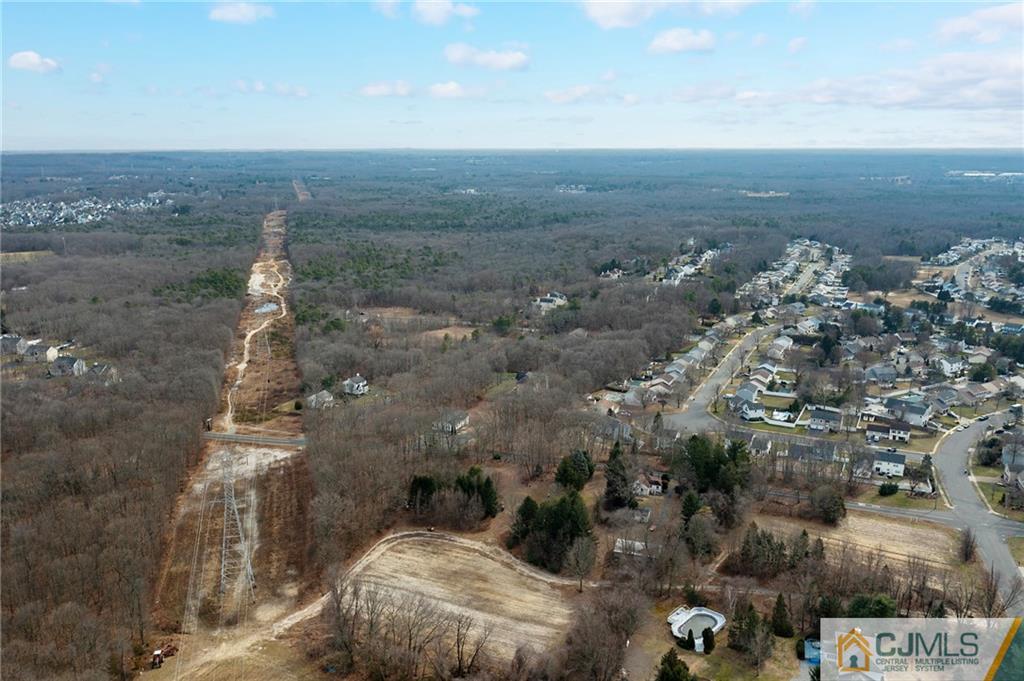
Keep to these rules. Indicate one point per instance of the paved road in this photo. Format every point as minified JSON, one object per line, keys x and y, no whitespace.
{"x":949,"y":460}
{"x":256,"y":439}
{"x":990,"y":528}
{"x":695,"y":417}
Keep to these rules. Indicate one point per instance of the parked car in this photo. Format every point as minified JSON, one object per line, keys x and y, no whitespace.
{"x":983,"y":418}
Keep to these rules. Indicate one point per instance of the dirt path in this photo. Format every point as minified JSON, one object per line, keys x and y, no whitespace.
{"x":235,"y":558}
{"x":265,"y":289}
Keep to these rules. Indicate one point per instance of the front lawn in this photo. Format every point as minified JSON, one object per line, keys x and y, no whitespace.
{"x":725,"y":664}
{"x":899,"y":500}
{"x":1016,"y":545}
{"x":994,"y":494}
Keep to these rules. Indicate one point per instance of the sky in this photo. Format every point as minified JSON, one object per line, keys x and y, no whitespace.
{"x":440,"y":74}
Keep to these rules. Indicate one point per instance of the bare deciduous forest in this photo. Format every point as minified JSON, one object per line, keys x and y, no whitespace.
{"x":416,"y":271}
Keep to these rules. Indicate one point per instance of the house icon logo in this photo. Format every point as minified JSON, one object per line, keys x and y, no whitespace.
{"x":854,"y":652}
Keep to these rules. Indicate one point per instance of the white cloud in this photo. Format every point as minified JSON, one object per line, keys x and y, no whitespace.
{"x":240,"y":12}
{"x":439,"y":12}
{"x":609,"y":76}
{"x":462,"y":54}
{"x":287,"y":90}
{"x":726,"y":7}
{"x":953,"y":80}
{"x":572,"y":94}
{"x":620,"y":14}
{"x":241,"y":85}
{"x":630,"y":99}
{"x":449,"y":90}
{"x":759,"y":40}
{"x":682,"y":40}
{"x":986,"y":25}
{"x":610,"y":14}
{"x":802,"y":8}
{"x":388,"y":8}
{"x":397,"y":88}
{"x":96,"y":77}
{"x":32,"y":61}
{"x":796,"y":44}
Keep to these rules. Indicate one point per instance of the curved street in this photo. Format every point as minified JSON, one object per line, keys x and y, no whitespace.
{"x":950,"y":460}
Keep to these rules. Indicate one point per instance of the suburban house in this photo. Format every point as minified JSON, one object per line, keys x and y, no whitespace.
{"x":1013,"y":465}
{"x":103,"y":373}
{"x":889,"y":429}
{"x":826,"y":419}
{"x":760,"y":445}
{"x":949,"y":366}
{"x":40,"y":352}
{"x":452,"y":421}
{"x":915,"y":412}
{"x":549,"y":302}
{"x":979,"y":355}
{"x":12,"y":345}
{"x":882,"y":374}
{"x":747,"y":410}
{"x":820,"y":452}
{"x":890,"y":463}
{"x":320,"y":400}
{"x":779,"y":347}
{"x":648,"y":486}
{"x":67,"y":366}
{"x":611,"y":429}
{"x":356,"y":385}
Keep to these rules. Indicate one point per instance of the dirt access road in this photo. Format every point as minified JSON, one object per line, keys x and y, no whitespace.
{"x":238,"y":542}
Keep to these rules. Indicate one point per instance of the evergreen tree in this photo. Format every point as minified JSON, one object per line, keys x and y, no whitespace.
{"x":523,"y":521}
{"x":690,"y":642}
{"x":575,"y":470}
{"x":618,"y":492}
{"x":708,"y":638}
{"x":489,"y":498}
{"x":871,"y":606}
{"x":781,"y":626}
{"x":658,"y":423}
{"x":691,"y":504}
{"x":673,"y":669}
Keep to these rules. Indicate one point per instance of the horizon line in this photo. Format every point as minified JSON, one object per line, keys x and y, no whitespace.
{"x":215,"y":150}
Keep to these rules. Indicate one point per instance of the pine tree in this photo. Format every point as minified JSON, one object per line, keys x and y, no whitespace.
{"x":691,"y":642}
{"x":708,"y":637}
{"x":489,"y":498}
{"x":672,"y":668}
{"x":658,"y":423}
{"x":781,"y":626}
{"x":523,"y":522}
{"x":618,"y":491}
{"x":691,"y":504}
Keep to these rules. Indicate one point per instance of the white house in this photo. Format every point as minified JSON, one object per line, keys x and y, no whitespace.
{"x":452,"y":421}
{"x":827,"y":419}
{"x":320,"y":400}
{"x":779,"y":347}
{"x":549,"y":302}
{"x":890,"y":463}
{"x":356,"y":385}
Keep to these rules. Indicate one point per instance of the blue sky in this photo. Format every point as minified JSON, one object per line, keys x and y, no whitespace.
{"x":440,"y":74}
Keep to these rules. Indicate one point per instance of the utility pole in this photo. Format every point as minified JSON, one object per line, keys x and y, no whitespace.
{"x":235,"y":560}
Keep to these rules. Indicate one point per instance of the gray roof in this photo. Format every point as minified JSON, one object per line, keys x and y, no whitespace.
{"x":815,"y":452}
{"x":891,"y":457}
{"x":826,"y":415}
